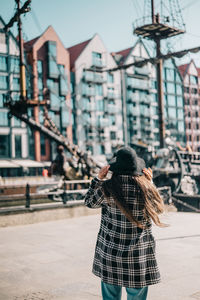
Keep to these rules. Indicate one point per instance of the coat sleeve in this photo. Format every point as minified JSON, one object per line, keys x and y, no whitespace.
{"x":94,"y":197}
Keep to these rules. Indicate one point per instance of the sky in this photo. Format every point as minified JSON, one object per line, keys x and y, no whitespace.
{"x":78,"y":20}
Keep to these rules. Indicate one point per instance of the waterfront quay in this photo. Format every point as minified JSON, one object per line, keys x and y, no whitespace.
{"x":53,"y":259}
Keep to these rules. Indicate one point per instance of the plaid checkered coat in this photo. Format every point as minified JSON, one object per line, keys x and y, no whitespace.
{"x":124,"y":253}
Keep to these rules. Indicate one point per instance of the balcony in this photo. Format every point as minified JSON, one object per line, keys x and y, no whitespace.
{"x":112,"y":95}
{"x":142,"y":71}
{"x":111,"y":109}
{"x":133,"y":97}
{"x":133,"y":111}
{"x":89,"y":107}
{"x":141,"y":84}
{"x":99,"y":78}
{"x":89,"y":92}
{"x":93,"y":77}
{"x":103,"y":123}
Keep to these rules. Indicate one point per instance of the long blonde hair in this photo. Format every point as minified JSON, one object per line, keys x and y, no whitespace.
{"x":153,"y":204}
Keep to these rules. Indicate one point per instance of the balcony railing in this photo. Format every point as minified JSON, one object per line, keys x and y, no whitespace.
{"x":112,"y":95}
{"x":142,"y":71}
{"x":93,"y":77}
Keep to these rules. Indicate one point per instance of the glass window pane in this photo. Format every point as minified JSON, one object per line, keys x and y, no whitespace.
{"x":171,"y":100}
{"x":170,"y":88}
{"x":180,"y":101}
{"x":3,"y":63}
{"x":172,"y":112}
{"x":179,"y":89}
{"x":3,"y":118}
{"x":110,"y":78}
{"x":180,"y":114}
{"x":1,"y":99}
{"x":4,"y":146}
{"x":17,"y":122}
{"x":14,"y":65}
{"x":4,"y":82}
{"x":39,"y":67}
{"x":18,"y":146}
{"x":16,"y":83}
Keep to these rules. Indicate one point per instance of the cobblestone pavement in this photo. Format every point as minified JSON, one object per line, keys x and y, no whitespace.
{"x":53,"y":260}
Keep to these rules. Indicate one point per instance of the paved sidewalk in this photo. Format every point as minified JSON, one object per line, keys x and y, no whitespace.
{"x":53,"y":260}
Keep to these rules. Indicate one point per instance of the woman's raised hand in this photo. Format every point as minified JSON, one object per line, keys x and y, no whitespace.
{"x":148,"y":173}
{"x":103,"y":172}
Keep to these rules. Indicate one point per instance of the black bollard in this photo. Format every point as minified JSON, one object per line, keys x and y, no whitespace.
{"x":27,"y":196}
{"x":64,"y":193}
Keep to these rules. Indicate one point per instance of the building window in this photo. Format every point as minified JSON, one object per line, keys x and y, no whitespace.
{"x":52,"y":63}
{"x":65,"y":117}
{"x":197,"y":138}
{"x":3,"y":63}
{"x":40,"y":84}
{"x":171,"y":100}
{"x":52,"y":50}
{"x":113,"y":135}
{"x":55,"y":101}
{"x":170,"y":88}
{"x":179,"y":89}
{"x":193,"y":79}
{"x":112,"y":120}
{"x":3,"y":82}
{"x":18,"y":146}
{"x":99,"y":89}
{"x":172,"y":112}
{"x":180,"y":114}
{"x":63,"y":81}
{"x":1,"y":99}
{"x":169,"y":74}
{"x":180,"y":101}
{"x":97,"y":59}
{"x":42,"y":145}
{"x":17,"y":122}
{"x":14,"y":65}
{"x":181,"y":126}
{"x":100,"y":105}
{"x":39,"y":67}
{"x":4,"y":146}
{"x":110,"y":78}
{"x":4,"y":118}
{"x":16,"y":83}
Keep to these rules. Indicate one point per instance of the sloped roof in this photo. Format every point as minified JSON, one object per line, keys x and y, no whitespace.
{"x":182,"y":69}
{"x":75,"y":51}
{"x":124,"y":53}
{"x":28,"y":45}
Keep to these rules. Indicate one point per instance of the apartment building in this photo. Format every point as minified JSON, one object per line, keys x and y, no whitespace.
{"x":191,"y":81}
{"x":13,"y":133}
{"x":140,"y":97}
{"x":96,"y":98}
{"x":140,"y":94}
{"x":50,"y":66}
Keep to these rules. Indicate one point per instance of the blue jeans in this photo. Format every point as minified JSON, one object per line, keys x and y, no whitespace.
{"x":114,"y":292}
